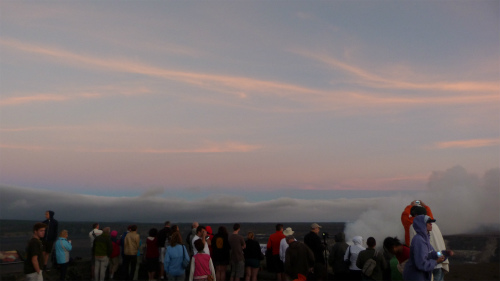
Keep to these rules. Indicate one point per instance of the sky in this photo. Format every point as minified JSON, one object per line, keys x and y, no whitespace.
{"x":321,"y":105}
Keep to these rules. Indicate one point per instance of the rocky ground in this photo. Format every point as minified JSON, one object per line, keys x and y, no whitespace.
{"x":458,"y":271}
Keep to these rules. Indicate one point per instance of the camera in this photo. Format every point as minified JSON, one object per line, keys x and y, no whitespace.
{"x":325,"y":235}
{"x":439,"y":254}
{"x":417,"y":202}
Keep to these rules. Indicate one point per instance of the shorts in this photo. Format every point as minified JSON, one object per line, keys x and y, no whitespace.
{"x":152,"y":264}
{"x":253,"y":263}
{"x":277,"y":264}
{"x":114,"y":263}
{"x":238,"y":269}
{"x":221,"y":262}
{"x":47,"y":246}
{"x":162,"y":255}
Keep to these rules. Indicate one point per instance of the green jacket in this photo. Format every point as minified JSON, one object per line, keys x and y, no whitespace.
{"x":102,"y":245}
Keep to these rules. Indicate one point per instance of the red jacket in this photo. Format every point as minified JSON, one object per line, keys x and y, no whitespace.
{"x":407,"y":220}
{"x":274,"y":241}
{"x":116,"y":249}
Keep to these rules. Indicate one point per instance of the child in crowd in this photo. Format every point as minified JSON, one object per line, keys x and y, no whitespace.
{"x":202,"y":268}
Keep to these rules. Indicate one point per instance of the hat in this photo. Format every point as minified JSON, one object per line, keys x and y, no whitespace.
{"x":288,"y":231}
{"x":315,"y":225}
{"x":114,"y":233}
{"x":428,"y":219}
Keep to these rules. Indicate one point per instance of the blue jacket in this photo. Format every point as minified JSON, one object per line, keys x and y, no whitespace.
{"x":173,"y":260}
{"x":63,"y":247}
{"x":422,"y":255}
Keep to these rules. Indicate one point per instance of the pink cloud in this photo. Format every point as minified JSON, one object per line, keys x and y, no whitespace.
{"x":376,"y":81}
{"x":243,"y":89}
{"x":227,"y":147}
{"x":467,"y":143}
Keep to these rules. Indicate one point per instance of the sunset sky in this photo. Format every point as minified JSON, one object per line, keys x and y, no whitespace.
{"x":254,"y":99}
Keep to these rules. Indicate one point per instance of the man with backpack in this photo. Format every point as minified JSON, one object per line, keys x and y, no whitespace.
{"x":371,"y":262}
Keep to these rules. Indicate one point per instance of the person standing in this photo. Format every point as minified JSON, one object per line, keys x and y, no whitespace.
{"x":114,"y":260}
{"x":92,"y":235}
{"x":299,"y":259}
{"x":152,"y":254}
{"x":176,"y":256}
{"x":221,"y":252}
{"x":313,"y":241}
{"x":401,"y":253}
{"x":423,"y":258}
{"x":131,"y":248}
{"x":162,"y":240}
{"x":284,"y":244}
{"x":336,"y":258}
{"x":371,"y":253}
{"x":237,"y":243}
{"x":253,"y":255}
{"x":34,"y":254}
{"x":201,"y":264}
{"x":190,"y":236}
{"x":437,"y":242}
{"x":416,"y":207}
{"x":201,"y":233}
{"x":273,"y":245}
{"x":351,"y":255}
{"x":50,"y":236}
{"x":102,"y":248}
{"x":63,"y":247}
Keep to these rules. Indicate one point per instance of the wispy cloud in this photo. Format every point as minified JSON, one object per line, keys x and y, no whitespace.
{"x":232,"y":84}
{"x":243,"y":89}
{"x":226,"y":147}
{"x":467,"y":143}
{"x":367,"y":78}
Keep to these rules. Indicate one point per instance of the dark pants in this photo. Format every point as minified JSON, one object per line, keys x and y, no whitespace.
{"x":355,"y":275}
{"x":129,"y":264}
{"x":341,"y":276}
{"x":320,"y":272}
{"x":63,"y":269}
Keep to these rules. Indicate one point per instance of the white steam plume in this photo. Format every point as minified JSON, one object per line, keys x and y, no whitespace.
{"x":461,"y":203}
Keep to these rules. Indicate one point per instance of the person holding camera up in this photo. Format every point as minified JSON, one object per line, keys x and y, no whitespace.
{"x":409,"y":213}
{"x":313,"y":241}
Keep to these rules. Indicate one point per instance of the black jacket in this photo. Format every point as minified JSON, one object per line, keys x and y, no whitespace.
{"x":51,"y":232}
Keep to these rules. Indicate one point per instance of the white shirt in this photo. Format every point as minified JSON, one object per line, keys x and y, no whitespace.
{"x":283,"y":247}
{"x":206,"y":250}
{"x":97,"y":232}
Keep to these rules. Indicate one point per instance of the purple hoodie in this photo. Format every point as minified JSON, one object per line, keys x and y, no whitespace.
{"x":422,"y":256}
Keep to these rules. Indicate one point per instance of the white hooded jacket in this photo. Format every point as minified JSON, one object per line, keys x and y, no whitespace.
{"x":354,"y":250}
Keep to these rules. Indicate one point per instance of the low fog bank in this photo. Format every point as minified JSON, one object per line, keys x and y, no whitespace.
{"x":461,"y":203}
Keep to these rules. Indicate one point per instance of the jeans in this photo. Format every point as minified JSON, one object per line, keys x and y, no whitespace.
{"x":438,"y":274}
{"x":129,"y":264}
{"x":100,"y":266}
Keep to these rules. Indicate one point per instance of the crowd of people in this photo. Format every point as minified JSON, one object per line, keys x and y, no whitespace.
{"x":205,"y":256}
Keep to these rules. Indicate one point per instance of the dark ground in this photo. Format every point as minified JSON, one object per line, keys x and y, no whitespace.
{"x":458,"y":271}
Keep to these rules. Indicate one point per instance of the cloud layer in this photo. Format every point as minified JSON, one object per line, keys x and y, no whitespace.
{"x":461,"y":202}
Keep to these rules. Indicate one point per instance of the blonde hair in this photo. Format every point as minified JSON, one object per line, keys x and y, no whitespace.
{"x":63,"y":232}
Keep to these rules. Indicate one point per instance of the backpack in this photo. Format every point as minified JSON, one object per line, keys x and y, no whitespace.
{"x":347,"y":262}
{"x":369,"y":265}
